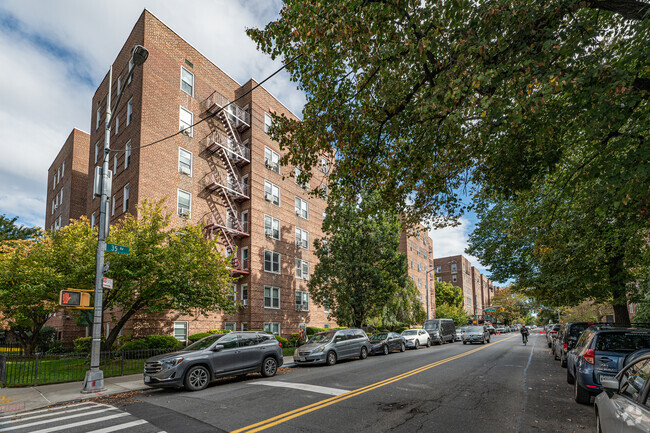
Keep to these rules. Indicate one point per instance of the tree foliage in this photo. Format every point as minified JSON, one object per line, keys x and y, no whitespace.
{"x":416,"y":99}
{"x":9,"y":230}
{"x":360,"y":270}
{"x":454,"y":312}
{"x":510,"y":305}
{"x":405,"y":307}
{"x":447,"y":293}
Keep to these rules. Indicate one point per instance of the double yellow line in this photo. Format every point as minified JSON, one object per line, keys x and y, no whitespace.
{"x":279,"y":419}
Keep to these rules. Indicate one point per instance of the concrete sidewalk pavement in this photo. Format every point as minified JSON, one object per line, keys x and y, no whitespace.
{"x":28,"y":398}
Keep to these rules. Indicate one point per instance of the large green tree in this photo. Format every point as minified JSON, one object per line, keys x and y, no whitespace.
{"x":360,"y":269}
{"x":447,"y":293}
{"x":416,"y":99}
{"x":405,"y":307}
{"x":9,"y":230}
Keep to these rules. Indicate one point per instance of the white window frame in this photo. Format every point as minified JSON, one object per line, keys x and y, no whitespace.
{"x":125,"y":198}
{"x":302,"y":269}
{"x":324,"y":165}
{"x":269,"y":326}
{"x":113,"y":205}
{"x":184,"y":327}
{"x":98,"y":116}
{"x":271,"y":160}
{"x":297,"y":172}
{"x":419,"y":267}
{"x":115,"y":164}
{"x":304,"y":300}
{"x":179,"y":208}
{"x":191,"y":85}
{"x":269,"y":189}
{"x":181,"y":151}
{"x":127,"y":154}
{"x":270,"y":232}
{"x":454,"y":279}
{"x":302,"y":208}
{"x":129,"y":112}
{"x":96,"y":152}
{"x":92,"y":220}
{"x":184,"y":126}
{"x":268,"y":122}
{"x":131,"y":65}
{"x":438,"y":269}
{"x":117,"y":124}
{"x":273,"y":256}
{"x":62,"y":169}
{"x":119,"y":85}
{"x":232,"y":326}
{"x":439,"y":279}
{"x":244,"y":294}
{"x":302,"y":238}
{"x":273,"y":290}
{"x":454,"y":267}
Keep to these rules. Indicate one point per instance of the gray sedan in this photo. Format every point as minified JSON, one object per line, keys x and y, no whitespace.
{"x":476,"y":334}
{"x":623,"y":406}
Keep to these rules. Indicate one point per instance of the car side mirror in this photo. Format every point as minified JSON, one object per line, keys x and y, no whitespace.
{"x":609,"y":385}
{"x":217,"y":348}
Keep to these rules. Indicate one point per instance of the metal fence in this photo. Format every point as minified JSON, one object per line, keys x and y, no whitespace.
{"x":11,"y":348}
{"x":41,"y":369}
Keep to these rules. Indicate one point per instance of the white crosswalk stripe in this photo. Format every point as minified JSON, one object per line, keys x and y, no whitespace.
{"x":86,"y":417}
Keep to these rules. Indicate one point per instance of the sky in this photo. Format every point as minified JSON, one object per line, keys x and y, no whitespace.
{"x":54,"y":54}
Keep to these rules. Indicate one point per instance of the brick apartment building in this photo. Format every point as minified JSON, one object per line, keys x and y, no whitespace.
{"x":67,"y":178}
{"x":418,"y":247}
{"x":478,"y":291}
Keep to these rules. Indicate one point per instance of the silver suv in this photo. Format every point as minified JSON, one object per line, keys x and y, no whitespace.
{"x":330,"y":346}
{"x":215,"y":356}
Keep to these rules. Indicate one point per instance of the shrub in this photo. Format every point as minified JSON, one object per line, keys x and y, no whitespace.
{"x":311,"y":330}
{"x":139,"y":344}
{"x":163,"y":342}
{"x":58,"y":347}
{"x":46,"y":336}
{"x":282,"y":340}
{"x":198,"y":336}
{"x":294,"y":339}
{"x":83,"y":344}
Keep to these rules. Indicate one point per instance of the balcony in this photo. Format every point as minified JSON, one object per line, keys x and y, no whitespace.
{"x":234,"y":187}
{"x":239,"y":118}
{"x":235,"y":151}
{"x":241,"y":230}
{"x":240,"y":267}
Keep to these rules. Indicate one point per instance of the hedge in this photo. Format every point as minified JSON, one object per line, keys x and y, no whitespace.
{"x":153,"y":342}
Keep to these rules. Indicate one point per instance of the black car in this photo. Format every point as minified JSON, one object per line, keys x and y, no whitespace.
{"x":567,"y":337}
{"x":386,"y":342}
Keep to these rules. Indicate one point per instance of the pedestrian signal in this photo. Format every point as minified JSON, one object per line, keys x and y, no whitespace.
{"x":74,"y":298}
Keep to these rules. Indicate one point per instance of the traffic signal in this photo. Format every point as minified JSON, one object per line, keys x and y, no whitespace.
{"x":74,"y":298}
{"x":539,"y":310}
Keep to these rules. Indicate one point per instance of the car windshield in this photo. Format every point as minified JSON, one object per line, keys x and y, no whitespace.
{"x":378,"y":337}
{"x":321,"y":337}
{"x":622,"y":342}
{"x":475,"y":329}
{"x":431,"y":327}
{"x":204,"y":343}
{"x":410,"y":332}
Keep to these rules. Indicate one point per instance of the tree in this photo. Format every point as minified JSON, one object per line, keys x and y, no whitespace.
{"x":405,"y":307}
{"x":33,"y":271}
{"x":360,"y":269}
{"x":510,"y":305}
{"x":167,"y":268}
{"x":416,"y":99}
{"x":454,"y":312}
{"x":585,"y":312}
{"x":447,"y":293}
{"x":10,"y":231}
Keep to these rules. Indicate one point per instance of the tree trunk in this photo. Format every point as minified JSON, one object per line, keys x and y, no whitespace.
{"x":619,"y":292}
{"x":112,"y":336}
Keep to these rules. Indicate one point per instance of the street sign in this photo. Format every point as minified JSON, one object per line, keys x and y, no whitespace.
{"x":490,"y":309}
{"x":74,"y":298}
{"x":107,"y":283}
{"x":112,"y":248}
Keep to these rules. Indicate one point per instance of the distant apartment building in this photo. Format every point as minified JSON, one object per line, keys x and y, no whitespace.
{"x":418,"y":247}
{"x":67,"y":179}
{"x":477,"y":289}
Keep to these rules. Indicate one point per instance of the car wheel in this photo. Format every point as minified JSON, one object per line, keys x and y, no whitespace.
{"x":580,"y":395}
{"x":330,"y":359}
{"x":464,"y":342}
{"x":428,"y":342}
{"x":197,"y":378}
{"x":488,"y":340}
{"x":269,"y":367}
{"x":402,"y":347}
{"x":416,"y":345}
{"x":364,"y":353}
{"x":386,"y":349}
{"x":549,"y":345}
{"x":569,"y":377}
{"x":555,"y":356}
{"x":563,"y":362}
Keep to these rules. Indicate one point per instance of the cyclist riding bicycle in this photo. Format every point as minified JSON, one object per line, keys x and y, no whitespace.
{"x":524,"y":334}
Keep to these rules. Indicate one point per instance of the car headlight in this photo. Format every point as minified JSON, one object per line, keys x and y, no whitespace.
{"x":170,"y":363}
{"x":318,"y":349}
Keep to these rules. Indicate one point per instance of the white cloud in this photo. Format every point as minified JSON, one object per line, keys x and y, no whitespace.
{"x":452,"y":241}
{"x":53,"y":56}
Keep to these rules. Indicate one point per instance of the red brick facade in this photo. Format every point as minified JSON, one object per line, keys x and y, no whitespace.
{"x":477,"y":289}
{"x":418,"y":247}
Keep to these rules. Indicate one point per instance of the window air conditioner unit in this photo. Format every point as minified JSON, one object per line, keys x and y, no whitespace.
{"x":184,"y":170}
{"x":268,"y":196}
{"x":298,"y":212}
{"x":298,"y":243}
{"x":267,"y":164}
{"x":244,"y":302}
{"x":184,"y":212}
{"x":187,"y":131}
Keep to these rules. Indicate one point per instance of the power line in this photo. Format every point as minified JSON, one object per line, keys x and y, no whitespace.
{"x":218,"y":111}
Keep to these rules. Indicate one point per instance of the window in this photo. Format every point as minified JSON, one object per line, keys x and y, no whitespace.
{"x":419,"y":282}
{"x":324,"y":165}
{"x":127,"y":154}
{"x":184,"y":161}
{"x":424,"y":253}
{"x":302,"y":238}
{"x":302,"y":208}
{"x":244,"y":294}
{"x":324,"y":189}
{"x":53,"y":206}
{"x":98,"y":116}
{"x":634,"y":379}
{"x":271,"y":160}
{"x":419,"y":267}
{"x":117,"y":124}
{"x":184,"y":204}
{"x":130,"y":69}
{"x":119,"y":85}
{"x":411,"y":245}
{"x":412,"y":264}
{"x":271,"y":262}
{"x":268,"y":122}
{"x":272,"y":327}
{"x":244,"y":326}
{"x":454,"y":278}
{"x":125,"y":204}
{"x":92,"y":221}
{"x":63,"y":169}
{"x":419,"y":238}
{"x":53,"y":182}
{"x":187,"y":81}
{"x":439,"y":279}
{"x":326,"y":326}
{"x":418,"y":251}
{"x":296,"y":173}
{"x":233,"y":293}
{"x":271,"y":193}
{"x":129,"y":112}
{"x":302,"y":301}
{"x":113,"y":205}
{"x":96,"y":152}
{"x":454,"y":268}
{"x":302,"y":269}
{"x":186,"y":119}
{"x":271,"y":227}
{"x":115,"y":164}
{"x":230,"y":326}
{"x":271,"y":297}
{"x":180,"y":331}
{"x":438,"y":269}
{"x":244,"y":258}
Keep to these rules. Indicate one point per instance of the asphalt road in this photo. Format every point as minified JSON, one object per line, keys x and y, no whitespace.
{"x":498,"y":387}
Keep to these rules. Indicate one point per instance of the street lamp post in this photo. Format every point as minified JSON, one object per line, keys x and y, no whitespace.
{"x":94,"y":380}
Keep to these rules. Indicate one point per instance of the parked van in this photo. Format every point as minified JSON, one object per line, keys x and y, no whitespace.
{"x":330,"y":346}
{"x":441,"y":330}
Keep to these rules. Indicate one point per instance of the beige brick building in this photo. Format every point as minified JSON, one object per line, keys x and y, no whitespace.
{"x":478,"y":290}
{"x":418,"y":247}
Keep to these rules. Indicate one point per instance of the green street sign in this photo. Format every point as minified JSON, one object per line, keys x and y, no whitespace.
{"x":112,"y":248}
{"x":490,"y":309}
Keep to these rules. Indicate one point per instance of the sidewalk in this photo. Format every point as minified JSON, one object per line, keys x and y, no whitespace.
{"x":17,"y":399}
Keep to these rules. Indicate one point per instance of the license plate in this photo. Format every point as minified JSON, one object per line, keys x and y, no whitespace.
{"x":300,"y":358}
{"x":604,"y":376}
{"x":147,"y":379}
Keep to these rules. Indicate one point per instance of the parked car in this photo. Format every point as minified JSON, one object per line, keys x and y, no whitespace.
{"x":459,"y":333}
{"x":416,"y":338}
{"x":328,"y":347}
{"x":215,"y":356}
{"x":552,"y":333}
{"x":386,"y":342}
{"x":440,"y":330}
{"x":567,"y":337}
{"x":492,"y":330}
{"x":501,"y":330}
{"x":476,"y":334}
{"x":599,"y":354}
{"x":623,"y":407}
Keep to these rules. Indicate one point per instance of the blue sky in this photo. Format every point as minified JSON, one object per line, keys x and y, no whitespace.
{"x":53,"y":55}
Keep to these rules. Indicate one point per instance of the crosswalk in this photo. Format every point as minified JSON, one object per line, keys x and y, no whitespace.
{"x":85,"y":417}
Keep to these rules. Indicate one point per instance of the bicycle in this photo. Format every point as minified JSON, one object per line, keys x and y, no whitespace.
{"x":525,"y":338}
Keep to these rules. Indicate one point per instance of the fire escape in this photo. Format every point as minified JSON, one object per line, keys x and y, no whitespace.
{"x":225,"y":180}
